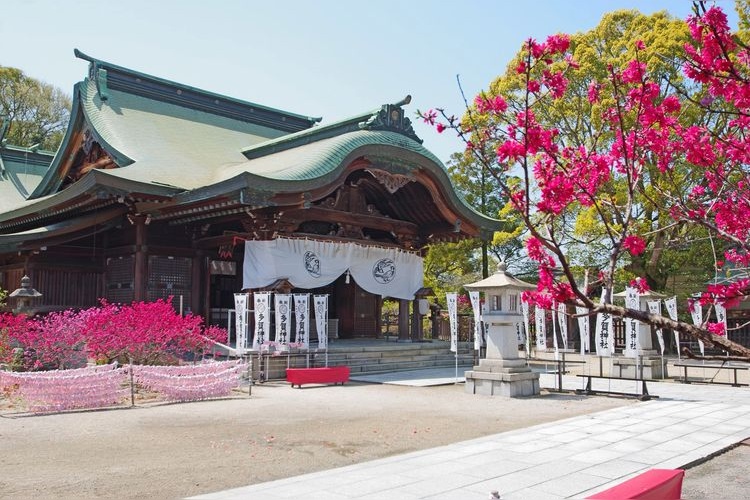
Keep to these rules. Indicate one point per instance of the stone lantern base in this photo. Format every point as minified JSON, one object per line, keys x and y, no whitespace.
{"x":652,"y":367}
{"x":502,"y":377}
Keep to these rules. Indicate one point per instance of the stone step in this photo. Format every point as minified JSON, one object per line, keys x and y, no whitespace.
{"x":382,"y":359}
{"x":278,"y":371}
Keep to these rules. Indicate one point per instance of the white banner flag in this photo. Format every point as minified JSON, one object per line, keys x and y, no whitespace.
{"x":321,"y":320}
{"x":262,"y":318}
{"x":721,"y":316}
{"x":696,"y":311}
{"x":671,"y":305}
{"x":583,"y":328}
{"x":525,"y":312}
{"x":552,"y":315}
{"x":603,"y":332}
{"x":302,"y":319}
{"x":654,"y":307}
{"x":541,"y":329}
{"x":632,"y":326}
{"x":283,"y":317}
{"x":476,"y":307}
{"x":240,"y":312}
{"x":452,"y":300}
{"x":562,"y":319}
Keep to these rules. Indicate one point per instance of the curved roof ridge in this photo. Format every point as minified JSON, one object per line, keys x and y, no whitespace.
{"x":388,"y":117}
{"x":108,"y":75}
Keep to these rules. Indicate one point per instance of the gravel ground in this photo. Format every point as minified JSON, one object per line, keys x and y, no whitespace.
{"x":177,"y":450}
{"x":725,"y":477}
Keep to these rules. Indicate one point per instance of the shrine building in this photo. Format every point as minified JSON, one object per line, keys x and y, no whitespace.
{"x":160,"y":189}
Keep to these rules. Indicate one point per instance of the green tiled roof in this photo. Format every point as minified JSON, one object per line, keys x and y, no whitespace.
{"x":164,"y":143}
{"x":184,"y":145}
{"x":21,"y":170}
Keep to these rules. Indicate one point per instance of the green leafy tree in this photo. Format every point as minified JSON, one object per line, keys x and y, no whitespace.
{"x":447,"y":265}
{"x":37,"y":112}
{"x":480,"y":190}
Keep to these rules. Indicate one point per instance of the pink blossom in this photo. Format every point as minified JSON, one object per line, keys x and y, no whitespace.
{"x":634,"y":72}
{"x":593,"y":93}
{"x":716,"y":328}
{"x":495,"y":104}
{"x":430,"y":116}
{"x":634,"y":244}
{"x":640,"y":284}
{"x":510,"y":151}
{"x":557,"y":44}
{"x":538,"y":253}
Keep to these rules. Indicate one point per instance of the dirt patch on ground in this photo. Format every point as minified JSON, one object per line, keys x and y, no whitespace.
{"x":177,"y":450}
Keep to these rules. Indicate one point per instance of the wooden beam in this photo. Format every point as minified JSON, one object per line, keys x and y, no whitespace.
{"x":378,"y":222}
{"x":103,"y":163}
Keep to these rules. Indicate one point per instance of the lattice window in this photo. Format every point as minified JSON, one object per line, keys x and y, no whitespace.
{"x":169,"y":276}
{"x":120,"y":278}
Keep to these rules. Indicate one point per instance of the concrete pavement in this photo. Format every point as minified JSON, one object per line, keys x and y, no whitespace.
{"x":571,"y":458}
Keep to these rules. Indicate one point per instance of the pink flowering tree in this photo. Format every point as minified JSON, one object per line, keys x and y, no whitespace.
{"x":681,"y":144}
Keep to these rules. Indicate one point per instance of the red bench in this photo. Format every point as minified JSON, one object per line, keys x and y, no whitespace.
{"x":654,"y":484}
{"x":328,"y":375}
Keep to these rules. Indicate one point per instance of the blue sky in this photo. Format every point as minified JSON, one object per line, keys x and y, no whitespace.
{"x":320,"y":58}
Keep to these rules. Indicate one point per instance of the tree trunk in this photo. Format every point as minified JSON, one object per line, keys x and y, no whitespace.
{"x":738,"y":351}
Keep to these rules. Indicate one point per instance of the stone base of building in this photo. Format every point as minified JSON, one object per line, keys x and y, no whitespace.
{"x":509,"y":378}
{"x":652,"y":367}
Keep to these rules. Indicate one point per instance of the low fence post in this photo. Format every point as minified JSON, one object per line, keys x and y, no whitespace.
{"x":132,"y":385}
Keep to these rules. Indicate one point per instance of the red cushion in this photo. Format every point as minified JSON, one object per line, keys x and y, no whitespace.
{"x":654,"y":484}
{"x":329,"y":375}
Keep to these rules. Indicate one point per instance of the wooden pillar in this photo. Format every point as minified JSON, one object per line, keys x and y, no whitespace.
{"x":141,"y":262}
{"x":416,"y":321}
{"x":403,"y":319}
{"x":198,"y":273}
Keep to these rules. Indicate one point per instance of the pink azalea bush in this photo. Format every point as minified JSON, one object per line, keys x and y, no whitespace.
{"x":142,"y":332}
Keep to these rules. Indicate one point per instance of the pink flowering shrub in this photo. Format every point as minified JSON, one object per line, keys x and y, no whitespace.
{"x":144,"y":332}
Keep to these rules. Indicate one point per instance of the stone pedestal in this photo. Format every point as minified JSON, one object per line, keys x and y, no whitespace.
{"x":630,"y":367}
{"x":502,"y":373}
{"x":508,"y":382}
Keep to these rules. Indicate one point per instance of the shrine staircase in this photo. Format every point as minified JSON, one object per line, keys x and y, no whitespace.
{"x":369,"y":357}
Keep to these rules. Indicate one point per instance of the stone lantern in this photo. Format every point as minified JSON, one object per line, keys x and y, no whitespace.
{"x":650,"y":362}
{"x":502,"y":372}
{"x":23,"y":296}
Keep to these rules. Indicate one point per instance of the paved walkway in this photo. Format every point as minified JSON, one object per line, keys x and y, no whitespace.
{"x":571,"y":458}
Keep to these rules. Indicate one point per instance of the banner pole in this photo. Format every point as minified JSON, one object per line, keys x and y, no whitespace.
{"x":249,"y":375}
